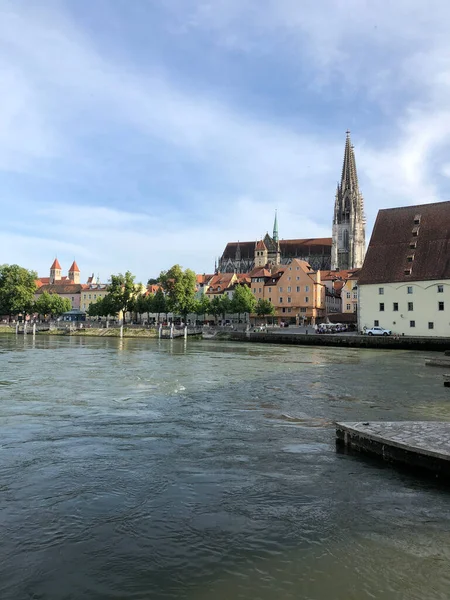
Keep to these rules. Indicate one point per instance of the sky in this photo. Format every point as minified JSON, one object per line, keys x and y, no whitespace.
{"x":136,"y":135}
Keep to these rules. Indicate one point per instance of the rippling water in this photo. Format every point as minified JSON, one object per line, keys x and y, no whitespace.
{"x":149,"y":469}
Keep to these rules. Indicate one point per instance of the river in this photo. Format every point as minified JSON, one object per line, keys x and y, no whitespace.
{"x":158,"y":469}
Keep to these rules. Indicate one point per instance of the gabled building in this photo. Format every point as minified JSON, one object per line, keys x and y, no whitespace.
{"x":295,"y":290}
{"x":404,"y":284}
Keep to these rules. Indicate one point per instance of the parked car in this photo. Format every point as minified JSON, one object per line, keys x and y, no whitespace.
{"x":378,"y":331}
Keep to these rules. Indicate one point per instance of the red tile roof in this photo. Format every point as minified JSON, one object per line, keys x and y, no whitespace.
{"x":74,"y":268}
{"x":411,"y":243}
{"x":261,"y":245}
{"x":56,"y":264}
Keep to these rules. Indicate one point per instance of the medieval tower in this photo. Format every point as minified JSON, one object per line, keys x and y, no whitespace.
{"x":349,"y":223}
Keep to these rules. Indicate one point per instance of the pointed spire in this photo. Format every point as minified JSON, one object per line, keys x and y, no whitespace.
{"x":74,"y":268}
{"x":56,"y":264}
{"x":349,"y":179}
{"x":275,"y":228}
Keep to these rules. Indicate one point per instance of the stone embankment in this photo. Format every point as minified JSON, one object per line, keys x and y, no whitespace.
{"x":348,"y":341}
{"x":423,"y":445}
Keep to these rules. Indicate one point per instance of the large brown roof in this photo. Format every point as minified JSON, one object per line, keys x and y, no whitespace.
{"x":388,"y":257}
{"x":56,"y":264}
{"x":60,"y":288}
{"x":288,"y":248}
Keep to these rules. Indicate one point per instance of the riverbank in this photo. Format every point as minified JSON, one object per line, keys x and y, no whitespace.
{"x":348,"y":341}
{"x":128,"y":332}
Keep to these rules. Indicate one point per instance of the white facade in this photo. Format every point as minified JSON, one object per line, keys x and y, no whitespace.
{"x":418,"y":308}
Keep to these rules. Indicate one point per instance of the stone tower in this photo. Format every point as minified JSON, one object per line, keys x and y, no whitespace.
{"x":349,"y":223}
{"x":74,"y":273}
{"x":275,"y":228}
{"x":261,"y":254}
{"x":55,"y":271}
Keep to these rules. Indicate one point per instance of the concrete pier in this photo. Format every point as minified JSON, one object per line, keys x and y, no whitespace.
{"x":424,"y":445}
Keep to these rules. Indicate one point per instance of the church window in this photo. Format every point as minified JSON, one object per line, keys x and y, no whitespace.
{"x":409,"y":289}
{"x":381,"y":306}
{"x":440,"y":288}
{"x":441,"y":305}
{"x":381,"y":291}
{"x":395,"y":306}
{"x":345,"y":239}
{"x":289,"y":300}
{"x":410,"y":305}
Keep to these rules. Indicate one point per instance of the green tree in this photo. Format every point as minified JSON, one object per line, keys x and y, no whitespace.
{"x":145,"y":304}
{"x":243,"y":300}
{"x":104,"y":307}
{"x":159,"y":303}
{"x":43,"y":305}
{"x":179,"y":287}
{"x":59,"y":305}
{"x":121,"y":294}
{"x":205,"y":306}
{"x":152,"y":281}
{"x":264,"y":308}
{"x":17,"y":288}
{"x":225,"y":305}
{"x":214,"y":307}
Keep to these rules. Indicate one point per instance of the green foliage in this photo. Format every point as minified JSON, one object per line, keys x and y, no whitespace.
{"x":264,"y":308}
{"x":179,"y":287}
{"x":17,"y":288}
{"x":225,"y":305}
{"x":152,"y":281}
{"x":104,"y":307}
{"x":205,"y":305}
{"x":121,"y":293}
{"x":159,"y":303}
{"x":215,"y":306}
{"x":243,"y":300}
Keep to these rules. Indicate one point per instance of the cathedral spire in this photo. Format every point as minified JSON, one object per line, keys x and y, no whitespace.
{"x":275,"y":228}
{"x":348,"y":245}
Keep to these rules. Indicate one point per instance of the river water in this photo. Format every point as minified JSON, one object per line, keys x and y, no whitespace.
{"x":146,"y":469}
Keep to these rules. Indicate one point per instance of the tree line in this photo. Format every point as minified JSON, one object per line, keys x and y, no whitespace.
{"x":176,"y":294}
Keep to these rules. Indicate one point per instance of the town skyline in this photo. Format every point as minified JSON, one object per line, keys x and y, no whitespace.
{"x":136,"y":137}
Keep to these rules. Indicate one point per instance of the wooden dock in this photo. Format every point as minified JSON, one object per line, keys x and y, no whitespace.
{"x":423,"y":445}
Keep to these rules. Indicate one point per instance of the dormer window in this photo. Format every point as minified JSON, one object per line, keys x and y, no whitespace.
{"x":417,"y":220}
{"x":415,"y":231}
{"x":413,"y":245}
{"x":410,"y":258}
{"x":407,"y":271}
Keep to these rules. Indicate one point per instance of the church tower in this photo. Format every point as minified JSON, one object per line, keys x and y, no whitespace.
{"x":261,"y":254}
{"x":74,"y":273}
{"x":349,"y":223}
{"x":275,"y":228}
{"x":55,"y":271}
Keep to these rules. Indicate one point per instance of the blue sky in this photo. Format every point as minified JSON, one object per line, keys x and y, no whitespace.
{"x":139,"y":134}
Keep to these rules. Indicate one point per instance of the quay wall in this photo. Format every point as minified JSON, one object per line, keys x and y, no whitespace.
{"x":348,"y":341}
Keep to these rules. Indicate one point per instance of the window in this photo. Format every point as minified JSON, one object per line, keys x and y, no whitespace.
{"x":281,"y":300}
{"x":297,"y":289}
{"x":270,"y":299}
{"x":381,"y":306}
{"x":430,"y":325}
{"x":95,"y":296}
{"x":259,"y":290}
{"x":376,"y":323}
{"x":409,"y":289}
{"x":289,"y":288}
{"x":413,"y":245}
{"x":349,"y":306}
{"x":270,"y":290}
{"x":289,"y":300}
{"x":395,"y":306}
{"x":85,"y":296}
{"x":417,"y":220}
{"x":297,"y":278}
{"x":306,"y":288}
{"x":73,"y":298}
{"x":355,"y":295}
{"x":381,"y":291}
{"x":410,"y":305}
{"x":440,"y":288}
{"x":407,"y":271}
{"x":290,"y":269}
{"x":281,"y":289}
{"x":306,"y":299}
{"x":289,"y":309}
{"x":410,"y":258}
{"x":303,"y":309}
{"x":412,"y":323}
{"x":441,"y":305}
{"x":297,"y":268}
{"x":283,"y":309}
{"x":349,"y":295}
{"x":415,"y":231}
{"x":289,"y":277}
{"x":89,"y":296}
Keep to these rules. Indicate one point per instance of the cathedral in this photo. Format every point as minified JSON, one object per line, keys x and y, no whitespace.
{"x":344,"y":250}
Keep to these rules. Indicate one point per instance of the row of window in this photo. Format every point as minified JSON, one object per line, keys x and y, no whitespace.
{"x":409,"y":289}
{"x":410,"y":306}
{"x":411,"y":324}
{"x":288,"y":289}
{"x":289,"y":300}
{"x":95,"y":296}
{"x":288,"y":310}
{"x":355,"y":295}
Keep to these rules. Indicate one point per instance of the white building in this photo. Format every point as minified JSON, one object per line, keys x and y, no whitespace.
{"x":404,"y":284}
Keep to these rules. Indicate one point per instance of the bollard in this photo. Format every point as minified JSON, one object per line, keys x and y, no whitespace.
{"x":121,"y":331}
{"x":34,"y":329}
{"x":159,"y":331}
{"x":17,"y":328}
{"x":185,"y":332}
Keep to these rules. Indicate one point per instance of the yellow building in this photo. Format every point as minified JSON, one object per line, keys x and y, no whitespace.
{"x":92,"y":292}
